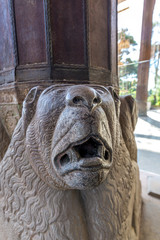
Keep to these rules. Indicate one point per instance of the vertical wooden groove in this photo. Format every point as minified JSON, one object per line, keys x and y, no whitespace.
{"x":85,"y":32}
{"x":48,"y":37}
{"x":13,"y":27}
{"x":145,"y":53}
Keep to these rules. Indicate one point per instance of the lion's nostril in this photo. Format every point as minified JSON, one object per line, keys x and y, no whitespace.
{"x":95,"y":100}
{"x":64,"y":160}
{"x":106,"y":155}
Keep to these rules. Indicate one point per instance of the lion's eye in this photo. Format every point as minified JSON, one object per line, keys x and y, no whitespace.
{"x":77,"y":100}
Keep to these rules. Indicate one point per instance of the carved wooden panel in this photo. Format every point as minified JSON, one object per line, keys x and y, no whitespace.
{"x":29,"y":15}
{"x":113,"y":38}
{"x":6,"y":43}
{"x":68,"y":31}
{"x":99,"y":33}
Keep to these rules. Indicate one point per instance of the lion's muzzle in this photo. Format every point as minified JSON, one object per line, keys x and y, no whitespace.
{"x":88,"y":155}
{"x":82,"y":147}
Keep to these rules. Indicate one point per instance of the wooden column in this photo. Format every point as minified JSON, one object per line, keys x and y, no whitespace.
{"x":7,"y":44}
{"x":145,"y":54}
{"x":84,"y":41}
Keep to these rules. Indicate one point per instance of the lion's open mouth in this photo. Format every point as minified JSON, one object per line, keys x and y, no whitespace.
{"x":89,"y":154}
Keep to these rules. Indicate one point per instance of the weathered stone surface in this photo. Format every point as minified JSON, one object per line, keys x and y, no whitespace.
{"x":128,"y":120}
{"x":4,"y":140}
{"x":68,"y":172}
{"x":9,"y":114}
{"x":9,"y":108}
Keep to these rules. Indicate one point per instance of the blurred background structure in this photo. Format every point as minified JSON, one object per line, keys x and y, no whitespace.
{"x":139,"y":51}
{"x":139,"y":73}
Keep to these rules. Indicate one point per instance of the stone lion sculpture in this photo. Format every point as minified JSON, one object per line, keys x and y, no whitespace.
{"x":68,"y":173}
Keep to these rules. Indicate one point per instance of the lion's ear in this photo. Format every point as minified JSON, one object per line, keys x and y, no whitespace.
{"x":29,"y":106}
{"x":116,"y":99}
{"x":128,"y":120}
{"x":128,"y":104}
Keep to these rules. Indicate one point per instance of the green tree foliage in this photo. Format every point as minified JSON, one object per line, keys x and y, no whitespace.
{"x":129,"y":70}
{"x":127,"y":67}
{"x":154,"y":94}
{"x":124,"y":36}
{"x":128,"y":87}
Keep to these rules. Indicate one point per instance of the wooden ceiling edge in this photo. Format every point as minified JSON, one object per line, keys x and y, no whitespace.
{"x":120,"y":1}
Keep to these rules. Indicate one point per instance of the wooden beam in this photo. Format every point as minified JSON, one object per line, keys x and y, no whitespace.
{"x":120,"y":1}
{"x":145,"y":54}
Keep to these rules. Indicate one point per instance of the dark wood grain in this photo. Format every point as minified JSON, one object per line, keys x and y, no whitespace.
{"x":68,"y":31}
{"x":29,"y":15}
{"x":6,"y":43}
{"x":99,"y":33}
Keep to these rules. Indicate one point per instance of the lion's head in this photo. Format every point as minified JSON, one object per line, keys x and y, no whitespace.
{"x":71,"y":137}
{"x":71,"y":134}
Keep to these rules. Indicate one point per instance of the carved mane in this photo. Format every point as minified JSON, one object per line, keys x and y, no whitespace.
{"x":37,"y":211}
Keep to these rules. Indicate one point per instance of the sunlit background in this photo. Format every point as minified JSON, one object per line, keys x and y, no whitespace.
{"x":130,"y":13}
{"x":129,"y":26}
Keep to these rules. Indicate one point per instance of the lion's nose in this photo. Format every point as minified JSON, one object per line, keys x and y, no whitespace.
{"x":83,"y":96}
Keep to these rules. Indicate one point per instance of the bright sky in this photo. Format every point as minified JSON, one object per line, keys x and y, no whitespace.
{"x":156,"y":17}
{"x":132,"y":19}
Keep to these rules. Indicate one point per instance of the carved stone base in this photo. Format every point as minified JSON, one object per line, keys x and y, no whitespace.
{"x":4,"y":140}
{"x":69,"y":172}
